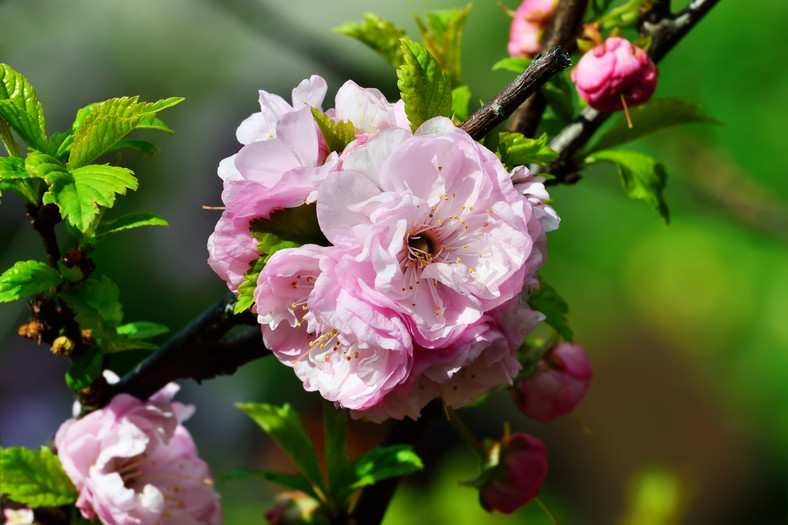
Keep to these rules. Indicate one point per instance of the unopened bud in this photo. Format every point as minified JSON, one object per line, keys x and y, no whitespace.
{"x":62,"y":346}
{"x":32,"y":330}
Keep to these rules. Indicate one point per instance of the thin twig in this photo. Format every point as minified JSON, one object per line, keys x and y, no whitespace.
{"x":563,"y":31}
{"x":498,"y":108}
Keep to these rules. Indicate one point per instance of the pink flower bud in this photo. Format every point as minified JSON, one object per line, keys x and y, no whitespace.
{"x":516,"y":474}
{"x":528,"y":26}
{"x":557,"y":385}
{"x":613,"y":69}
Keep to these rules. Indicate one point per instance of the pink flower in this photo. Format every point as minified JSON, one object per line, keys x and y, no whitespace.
{"x":446,"y":234}
{"x":614,"y":69}
{"x":514,"y":476}
{"x":134,"y":463}
{"x":283,"y":164}
{"x":528,"y":25}
{"x":320,"y":316}
{"x":20,"y":516}
{"x":557,"y":385}
{"x":484,"y":357}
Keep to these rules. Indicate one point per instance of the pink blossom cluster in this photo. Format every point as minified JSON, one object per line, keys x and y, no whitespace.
{"x":134,"y":463}
{"x":432,"y":248}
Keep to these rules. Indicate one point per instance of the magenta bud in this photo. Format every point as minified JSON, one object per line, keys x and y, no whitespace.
{"x":557,"y":385}
{"x":614,"y":69}
{"x":514,"y":476}
{"x":528,"y":26}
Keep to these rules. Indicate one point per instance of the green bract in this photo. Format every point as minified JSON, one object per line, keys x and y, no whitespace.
{"x":336,"y":134}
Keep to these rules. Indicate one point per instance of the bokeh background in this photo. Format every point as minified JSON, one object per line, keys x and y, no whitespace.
{"x":687,"y":326}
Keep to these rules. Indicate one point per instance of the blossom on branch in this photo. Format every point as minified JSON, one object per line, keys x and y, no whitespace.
{"x":133,"y":462}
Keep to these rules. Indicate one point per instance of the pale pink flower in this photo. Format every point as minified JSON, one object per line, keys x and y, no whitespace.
{"x":484,"y":357}
{"x":21,"y":516}
{"x":615,"y":69}
{"x":447,"y":235}
{"x":528,"y":25}
{"x":557,"y":385}
{"x":134,"y":463}
{"x":516,"y":470}
{"x":319,"y":316}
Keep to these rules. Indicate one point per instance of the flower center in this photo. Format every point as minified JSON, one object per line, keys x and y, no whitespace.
{"x":420,"y":247}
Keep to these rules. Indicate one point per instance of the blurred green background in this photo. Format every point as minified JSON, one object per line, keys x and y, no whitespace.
{"x":686,"y":326}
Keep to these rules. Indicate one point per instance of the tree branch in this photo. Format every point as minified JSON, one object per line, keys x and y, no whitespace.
{"x":665,"y":33}
{"x":563,"y":31}
{"x":216,"y":343}
{"x":498,"y":108}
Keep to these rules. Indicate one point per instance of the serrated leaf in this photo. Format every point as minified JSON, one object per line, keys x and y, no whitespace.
{"x":555,"y":309}
{"x":35,"y":478}
{"x":385,"y":462}
{"x":142,"y":329}
{"x":26,"y":278}
{"x":460,"y":100}
{"x":641,"y":176}
{"x":14,"y":178}
{"x":143,"y":147}
{"x":154,"y":123}
{"x":379,"y":34}
{"x":84,"y":371}
{"x":127,"y":222}
{"x":79,"y":192}
{"x":294,"y":481}
{"x":441,"y":32}
{"x":514,"y":149}
{"x":656,"y":115}
{"x":20,"y":108}
{"x":95,"y":303}
{"x":108,"y":122}
{"x":285,"y":427}
{"x":425,"y":88}
{"x":336,"y":134}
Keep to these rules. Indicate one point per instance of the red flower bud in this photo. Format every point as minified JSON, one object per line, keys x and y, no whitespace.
{"x":557,"y":385}
{"x":515,"y":474}
{"x":611,"y":70}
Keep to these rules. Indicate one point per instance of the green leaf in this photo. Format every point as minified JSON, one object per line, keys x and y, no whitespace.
{"x":35,"y":478}
{"x":295,"y":481}
{"x":515,"y":149}
{"x":246,"y":289}
{"x":656,"y":115}
{"x":641,"y":176}
{"x":12,"y":168}
{"x":127,"y":222}
{"x":20,"y":107}
{"x":80,"y":192}
{"x":95,"y":303}
{"x":142,"y":329}
{"x":425,"y":88}
{"x":337,"y":134}
{"x":385,"y":462}
{"x":379,"y":34}
{"x":84,"y":371}
{"x":285,"y":427}
{"x":108,"y":122}
{"x":14,"y":178}
{"x":441,"y":33}
{"x":515,"y":65}
{"x":154,"y":123}
{"x":555,"y":309}
{"x":336,"y":447}
{"x":460,"y":100}
{"x":27,"y":278}
{"x":143,"y":147}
